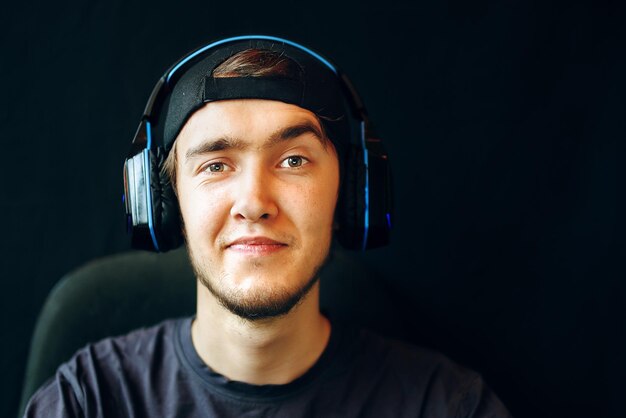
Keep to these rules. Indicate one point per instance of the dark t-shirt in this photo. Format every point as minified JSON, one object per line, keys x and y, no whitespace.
{"x":156,"y":372}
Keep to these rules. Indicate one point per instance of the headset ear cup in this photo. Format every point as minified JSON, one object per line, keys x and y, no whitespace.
{"x":351,"y":204}
{"x":165,"y":209}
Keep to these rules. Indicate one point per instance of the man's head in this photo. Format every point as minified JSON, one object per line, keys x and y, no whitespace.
{"x":257,"y":184}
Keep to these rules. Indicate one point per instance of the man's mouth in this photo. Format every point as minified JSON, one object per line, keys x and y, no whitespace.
{"x":256,"y":245}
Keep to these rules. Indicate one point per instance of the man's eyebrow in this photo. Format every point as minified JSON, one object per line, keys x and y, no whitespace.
{"x":295,"y":131}
{"x":219,"y":144}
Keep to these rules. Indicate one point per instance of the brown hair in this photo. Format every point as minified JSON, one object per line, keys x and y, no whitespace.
{"x":258,"y":63}
{"x":246,"y":63}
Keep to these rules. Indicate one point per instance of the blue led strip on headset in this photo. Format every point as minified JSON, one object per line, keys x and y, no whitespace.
{"x":249,"y":38}
{"x":148,"y":191}
{"x":366,"y":216}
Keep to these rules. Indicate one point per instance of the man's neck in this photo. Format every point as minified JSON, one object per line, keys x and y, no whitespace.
{"x":269,"y":351}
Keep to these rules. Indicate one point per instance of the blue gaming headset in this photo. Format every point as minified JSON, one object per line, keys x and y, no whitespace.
{"x":364,"y":209}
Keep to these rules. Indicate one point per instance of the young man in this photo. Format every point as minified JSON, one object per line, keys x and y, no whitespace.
{"x":263,"y":149}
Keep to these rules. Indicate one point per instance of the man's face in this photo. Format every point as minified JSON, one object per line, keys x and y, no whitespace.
{"x":257,"y":187}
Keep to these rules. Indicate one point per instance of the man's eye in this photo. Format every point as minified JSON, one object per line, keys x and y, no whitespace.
{"x":215,"y":167}
{"x":294,"y":161}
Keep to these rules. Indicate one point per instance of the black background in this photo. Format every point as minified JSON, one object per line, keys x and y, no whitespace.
{"x":505,"y":126}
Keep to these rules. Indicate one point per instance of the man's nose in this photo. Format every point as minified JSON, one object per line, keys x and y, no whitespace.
{"x":254,"y":196}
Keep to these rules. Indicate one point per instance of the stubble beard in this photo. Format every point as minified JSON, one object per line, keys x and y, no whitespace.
{"x":257,"y":304}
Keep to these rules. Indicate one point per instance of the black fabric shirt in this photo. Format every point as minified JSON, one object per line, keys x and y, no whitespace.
{"x":156,"y":372}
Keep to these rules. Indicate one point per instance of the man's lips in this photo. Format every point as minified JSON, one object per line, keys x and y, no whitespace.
{"x":256,"y":245}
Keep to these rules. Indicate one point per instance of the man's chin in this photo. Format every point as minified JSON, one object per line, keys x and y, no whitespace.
{"x":256,"y":305}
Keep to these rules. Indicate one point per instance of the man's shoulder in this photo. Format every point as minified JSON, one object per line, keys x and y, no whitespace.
{"x":436,"y":384}
{"x":101,"y":374}
{"x":126,"y":357}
